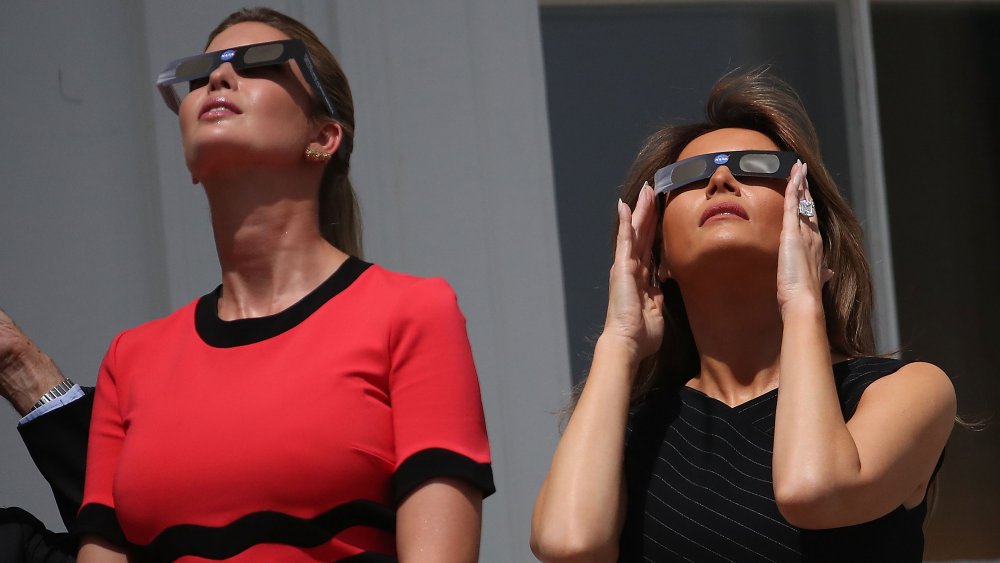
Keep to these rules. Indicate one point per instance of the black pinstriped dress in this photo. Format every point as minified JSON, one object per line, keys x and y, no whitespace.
{"x":699,"y":484}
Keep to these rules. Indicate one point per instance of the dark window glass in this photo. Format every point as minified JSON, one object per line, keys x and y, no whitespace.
{"x":614,"y":75}
{"x":937,"y":70}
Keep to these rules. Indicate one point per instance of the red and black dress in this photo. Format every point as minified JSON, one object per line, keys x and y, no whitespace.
{"x":291,"y":437}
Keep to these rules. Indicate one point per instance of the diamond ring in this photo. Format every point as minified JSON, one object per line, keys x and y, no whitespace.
{"x":807,"y":208}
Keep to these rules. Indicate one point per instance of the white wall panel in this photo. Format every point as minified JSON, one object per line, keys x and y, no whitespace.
{"x":453,"y":169}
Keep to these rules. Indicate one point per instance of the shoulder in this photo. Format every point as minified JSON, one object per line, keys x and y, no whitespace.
{"x":152,"y":332}
{"x":905,"y":419}
{"x":409,"y":294}
{"x":915,"y":382}
{"x":917,"y":395}
{"x":179,"y":316}
{"x":403,"y":282}
{"x":865,"y":377}
{"x":858,"y":374}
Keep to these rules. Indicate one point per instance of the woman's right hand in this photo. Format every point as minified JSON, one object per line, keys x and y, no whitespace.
{"x":635,"y":305}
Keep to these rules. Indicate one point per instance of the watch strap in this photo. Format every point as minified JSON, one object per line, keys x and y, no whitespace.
{"x":58,"y":391}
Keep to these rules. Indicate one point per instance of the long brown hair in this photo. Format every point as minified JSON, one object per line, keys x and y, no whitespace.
{"x":339,"y":214}
{"x":762,"y":102}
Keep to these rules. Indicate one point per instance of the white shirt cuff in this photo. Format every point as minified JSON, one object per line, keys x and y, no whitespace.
{"x":75,"y":392}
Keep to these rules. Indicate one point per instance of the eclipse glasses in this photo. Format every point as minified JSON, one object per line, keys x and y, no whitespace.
{"x":762,"y":164}
{"x":199,"y":67}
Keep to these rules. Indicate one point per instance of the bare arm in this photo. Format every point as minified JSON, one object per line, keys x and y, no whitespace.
{"x":57,"y":441}
{"x":580,"y":509}
{"x":440,"y":522}
{"x":94,"y":549}
{"x":26,"y":373}
{"x":828,"y":473}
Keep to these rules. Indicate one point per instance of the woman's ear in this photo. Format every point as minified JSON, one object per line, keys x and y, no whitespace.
{"x":327,"y":138}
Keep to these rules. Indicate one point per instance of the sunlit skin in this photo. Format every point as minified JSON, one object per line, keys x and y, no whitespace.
{"x":720,"y":264}
{"x":690,"y":245}
{"x":271,"y":126}
{"x":263,"y":194}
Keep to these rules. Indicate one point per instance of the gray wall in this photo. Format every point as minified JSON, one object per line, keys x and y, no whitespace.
{"x":102,"y":229}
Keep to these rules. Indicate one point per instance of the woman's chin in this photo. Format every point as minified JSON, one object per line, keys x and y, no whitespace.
{"x":729,"y":257}
{"x":207,"y":160}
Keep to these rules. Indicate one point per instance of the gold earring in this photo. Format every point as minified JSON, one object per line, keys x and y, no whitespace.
{"x":317,"y":156}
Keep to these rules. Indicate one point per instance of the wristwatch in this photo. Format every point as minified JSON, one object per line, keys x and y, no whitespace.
{"x":58,"y":391}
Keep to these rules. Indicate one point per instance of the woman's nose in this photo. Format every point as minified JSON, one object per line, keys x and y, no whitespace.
{"x":222,"y":78}
{"x":722,"y":180}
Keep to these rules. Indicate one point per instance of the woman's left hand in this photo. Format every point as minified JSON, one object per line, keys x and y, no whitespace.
{"x":801,"y":268}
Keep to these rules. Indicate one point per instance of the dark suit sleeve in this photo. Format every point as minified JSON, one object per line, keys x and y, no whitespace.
{"x":23,"y":539}
{"x":57,"y":442}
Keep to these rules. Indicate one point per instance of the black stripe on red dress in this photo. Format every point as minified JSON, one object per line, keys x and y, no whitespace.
{"x":433,"y":463}
{"x":252,"y":529}
{"x":99,"y":520}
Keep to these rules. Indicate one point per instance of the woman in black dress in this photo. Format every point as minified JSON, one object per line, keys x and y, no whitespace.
{"x":735,"y":408}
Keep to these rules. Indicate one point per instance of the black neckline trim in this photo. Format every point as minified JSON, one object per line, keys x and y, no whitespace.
{"x":228,"y":334}
{"x":841,"y":371}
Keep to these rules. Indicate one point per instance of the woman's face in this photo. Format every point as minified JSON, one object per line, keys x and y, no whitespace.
{"x":722,"y":217}
{"x":260,"y":115}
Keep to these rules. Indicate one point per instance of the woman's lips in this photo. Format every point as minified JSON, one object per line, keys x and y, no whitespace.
{"x":722,"y":211}
{"x":218,"y":107}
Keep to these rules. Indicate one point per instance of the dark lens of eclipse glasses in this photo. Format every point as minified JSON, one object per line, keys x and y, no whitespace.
{"x":197,"y":67}
{"x":759,"y":163}
{"x":688,"y":171}
{"x":263,"y":54}
{"x":768,"y":164}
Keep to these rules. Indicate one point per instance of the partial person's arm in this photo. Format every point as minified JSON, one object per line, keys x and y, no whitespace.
{"x":580,"y":509}
{"x":24,"y":539}
{"x":443,"y":472}
{"x":95,"y":549}
{"x":57,"y":443}
{"x":26,"y":373}
{"x":828,"y":473}
{"x":57,"y":439}
{"x":440,"y":522}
